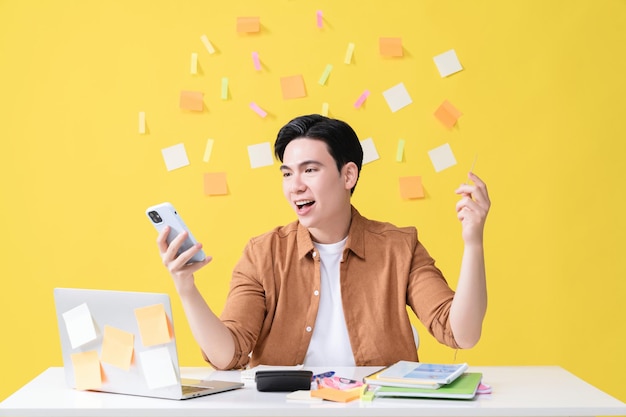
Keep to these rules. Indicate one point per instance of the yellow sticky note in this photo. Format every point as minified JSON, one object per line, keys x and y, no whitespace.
{"x":293,"y":87}
{"x":194,"y":63}
{"x":87,"y":372}
{"x":154,"y":326}
{"x":191,"y":100}
{"x":447,"y":114}
{"x":248,"y":24}
{"x":337,"y":395}
{"x":117,"y":347}
{"x":215,"y":183}
{"x":349,"y":52}
{"x":142,"y":122}
{"x":411,"y":187}
{"x":208,"y":149}
{"x":325,"y":109}
{"x":390,"y":46}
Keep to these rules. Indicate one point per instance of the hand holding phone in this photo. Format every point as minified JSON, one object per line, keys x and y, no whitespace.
{"x":165,"y":214}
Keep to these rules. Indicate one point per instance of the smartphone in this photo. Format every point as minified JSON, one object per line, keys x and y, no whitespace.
{"x":165,"y":214}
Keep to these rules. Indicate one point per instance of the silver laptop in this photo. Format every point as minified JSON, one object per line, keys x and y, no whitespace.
{"x":123,"y":342}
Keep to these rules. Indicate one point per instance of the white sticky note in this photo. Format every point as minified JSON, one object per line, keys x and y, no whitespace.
{"x":442,"y":157}
{"x":207,"y":150}
{"x":397,"y":97}
{"x":207,"y":44}
{"x":79,"y":325}
{"x":447,"y":63}
{"x":369,"y":151}
{"x":194,"y":63}
{"x":142,"y":122}
{"x":175,"y":156}
{"x":158,"y":369}
{"x":260,"y":155}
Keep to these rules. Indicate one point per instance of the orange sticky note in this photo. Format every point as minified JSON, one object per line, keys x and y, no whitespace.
{"x":447,"y":114}
{"x":153,"y":325}
{"x":248,"y":24}
{"x":191,"y":100}
{"x":337,"y":395}
{"x":87,"y":372}
{"x":390,"y":46}
{"x":215,"y":183}
{"x":117,"y":347}
{"x":293,"y":87}
{"x":411,"y":187}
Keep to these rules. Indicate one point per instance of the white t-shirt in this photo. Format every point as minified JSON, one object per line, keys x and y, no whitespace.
{"x":330,"y":343}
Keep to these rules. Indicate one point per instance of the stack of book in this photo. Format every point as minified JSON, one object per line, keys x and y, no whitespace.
{"x":424,"y":380}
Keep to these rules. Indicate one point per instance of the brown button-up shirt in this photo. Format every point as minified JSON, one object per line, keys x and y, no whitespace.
{"x":274,"y":296}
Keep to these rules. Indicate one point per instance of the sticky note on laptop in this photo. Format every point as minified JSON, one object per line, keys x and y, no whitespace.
{"x":79,"y":325}
{"x":154,"y":326}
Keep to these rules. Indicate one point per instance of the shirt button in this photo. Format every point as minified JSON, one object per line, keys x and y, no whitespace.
{"x":308,"y":329}
{"x":314,"y":254}
{"x":316,"y":293}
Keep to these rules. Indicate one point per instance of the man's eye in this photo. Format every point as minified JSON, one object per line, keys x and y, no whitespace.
{"x":286,"y":174}
{"x":309,"y":170}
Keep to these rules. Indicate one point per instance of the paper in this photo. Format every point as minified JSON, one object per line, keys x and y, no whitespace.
{"x":336,"y":395}
{"x":320,"y":19}
{"x":256,"y":61}
{"x":325,"y":109}
{"x":447,"y":114}
{"x":400,"y":151}
{"x":255,"y":107}
{"x":87,"y":372}
{"x":369,"y":151}
{"x":325,"y":74}
{"x":447,"y":63}
{"x":224,"y":95}
{"x":191,"y":100}
{"x":361,"y":99}
{"x":158,"y":369}
{"x":175,"y":157}
{"x":207,"y":150}
{"x":117,"y":347}
{"x":411,"y":187}
{"x":390,"y":47}
{"x":79,"y":325}
{"x":153,"y":324}
{"x":349,"y":52}
{"x":194,"y":63}
{"x":292,"y":87}
{"x":207,"y":44}
{"x":442,"y":157}
{"x":248,"y":24}
{"x":215,"y":183}
{"x":397,"y":97}
{"x":142,"y":122}
{"x":260,"y":155}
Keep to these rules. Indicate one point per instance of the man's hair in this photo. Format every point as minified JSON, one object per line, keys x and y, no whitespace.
{"x":341,"y":140}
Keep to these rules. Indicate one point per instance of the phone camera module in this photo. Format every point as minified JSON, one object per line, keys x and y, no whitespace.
{"x":155,"y":217}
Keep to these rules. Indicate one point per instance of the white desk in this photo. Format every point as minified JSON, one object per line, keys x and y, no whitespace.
{"x":517,"y":391}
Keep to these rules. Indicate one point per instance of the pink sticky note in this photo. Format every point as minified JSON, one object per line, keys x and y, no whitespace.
{"x":257,"y":62}
{"x":320,"y":20}
{"x":361,"y":99}
{"x":258,"y":110}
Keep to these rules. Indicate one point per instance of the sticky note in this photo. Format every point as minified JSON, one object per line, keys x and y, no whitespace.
{"x":447,"y":114}
{"x":325,"y":109}
{"x":255,"y":107}
{"x":336,"y":395}
{"x":87,"y":371}
{"x":359,"y":102}
{"x":411,"y":187}
{"x":400,"y":150}
{"x":207,"y":44}
{"x":397,"y":97}
{"x":256,"y":61}
{"x":325,"y":74}
{"x":194,"y":63}
{"x":319,"y":18}
{"x":442,"y":157}
{"x":292,"y":87}
{"x":248,"y":24}
{"x":390,"y":47}
{"x":447,"y":63}
{"x":349,"y":52}
{"x":215,"y":183}
{"x":260,"y":155}
{"x":370,"y":153}
{"x":191,"y":100}
{"x":207,"y":150}
{"x":142,"y":122}
{"x":158,"y":369}
{"x":79,"y":325}
{"x":153,"y":325}
{"x":117,"y":347}
{"x":224,"y":95}
{"x":175,"y":157}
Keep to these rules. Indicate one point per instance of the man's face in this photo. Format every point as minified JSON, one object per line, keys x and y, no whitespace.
{"x":317,"y":191}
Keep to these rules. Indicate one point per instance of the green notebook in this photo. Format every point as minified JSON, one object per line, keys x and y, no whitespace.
{"x":464,"y":388}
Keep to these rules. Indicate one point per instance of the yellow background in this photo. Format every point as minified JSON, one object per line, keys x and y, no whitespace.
{"x":542,"y":95}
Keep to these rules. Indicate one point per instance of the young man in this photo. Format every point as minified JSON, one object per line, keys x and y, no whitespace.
{"x":332,"y":287}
